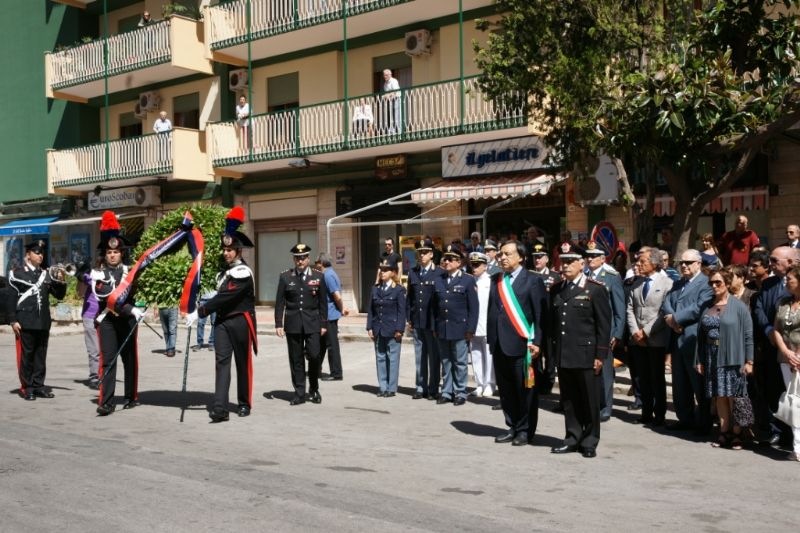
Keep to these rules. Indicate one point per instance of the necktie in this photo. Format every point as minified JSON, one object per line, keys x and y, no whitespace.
{"x":646,"y":288}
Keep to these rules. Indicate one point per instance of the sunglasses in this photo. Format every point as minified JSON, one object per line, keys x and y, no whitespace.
{"x":716,"y":282}
{"x":774,"y":259}
{"x":686,"y":263}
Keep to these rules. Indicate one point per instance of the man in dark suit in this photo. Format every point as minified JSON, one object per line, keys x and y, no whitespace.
{"x":681,"y":310}
{"x":419,"y":316}
{"x":773,"y":289}
{"x":29,"y":316}
{"x":792,"y":236}
{"x":512,"y":337}
{"x":581,"y":318}
{"x":301,"y":313}
{"x":455,"y":312}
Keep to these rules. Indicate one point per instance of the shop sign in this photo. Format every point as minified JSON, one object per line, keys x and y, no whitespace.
{"x":391,"y":166}
{"x":494,"y":157}
{"x":127,"y":197}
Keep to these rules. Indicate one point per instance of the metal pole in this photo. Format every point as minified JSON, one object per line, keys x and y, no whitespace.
{"x":186,"y":363}
{"x":249,"y":81}
{"x":461,"y":63}
{"x":346,"y":113}
{"x":105,"y":89}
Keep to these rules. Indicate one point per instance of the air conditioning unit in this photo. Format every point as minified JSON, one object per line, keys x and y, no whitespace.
{"x":418,"y":42}
{"x":237,"y":80}
{"x":138,"y":112}
{"x":149,"y":101}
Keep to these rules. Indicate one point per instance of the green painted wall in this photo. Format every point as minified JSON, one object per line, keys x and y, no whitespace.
{"x":30,"y":123}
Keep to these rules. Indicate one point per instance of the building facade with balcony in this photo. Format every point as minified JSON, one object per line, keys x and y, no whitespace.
{"x":327,"y":156}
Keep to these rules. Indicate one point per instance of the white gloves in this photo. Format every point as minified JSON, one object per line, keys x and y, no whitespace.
{"x":97,"y":275}
{"x":191,"y":318}
{"x":138,"y":313}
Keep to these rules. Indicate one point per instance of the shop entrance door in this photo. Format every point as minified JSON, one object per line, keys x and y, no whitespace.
{"x":274,"y":257}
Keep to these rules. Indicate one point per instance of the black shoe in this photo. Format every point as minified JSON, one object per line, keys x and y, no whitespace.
{"x":381,"y":394}
{"x":297,"y":400}
{"x":105,"y":410}
{"x":520,"y":440}
{"x":243,"y":411}
{"x":417,"y":396}
{"x":30,"y":396}
{"x":41,"y":393}
{"x":433,"y":396}
{"x":497,"y":407}
{"x":390,"y":395}
{"x":130,"y":404}
{"x":605,"y":418}
{"x":504,"y":438}
{"x":197,"y":347}
{"x":635,"y":406}
{"x":442,"y":400}
{"x":558,"y":408}
{"x":332,"y":378}
{"x":644,"y":420}
{"x":219,"y":415}
{"x":315,"y":397}
{"x":589,"y":453}
{"x":94,"y":384}
{"x":657,"y":422}
{"x":566,"y":448}
{"x":459,"y":401}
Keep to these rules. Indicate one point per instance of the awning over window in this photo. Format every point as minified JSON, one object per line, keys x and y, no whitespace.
{"x":744,"y":199}
{"x":30,"y":226}
{"x":487,"y":187}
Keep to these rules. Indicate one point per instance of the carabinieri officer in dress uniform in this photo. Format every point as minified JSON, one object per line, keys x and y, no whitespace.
{"x":581,"y":321}
{"x":115,"y":326}
{"x":455,"y":312}
{"x":235,"y":322}
{"x":301,"y":314}
{"x":30,"y":318}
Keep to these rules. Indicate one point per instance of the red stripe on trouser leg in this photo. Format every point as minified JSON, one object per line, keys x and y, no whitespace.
{"x":249,"y":373}
{"x":19,"y":366}
{"x":136,"y":366}
{"x":100,"y":372}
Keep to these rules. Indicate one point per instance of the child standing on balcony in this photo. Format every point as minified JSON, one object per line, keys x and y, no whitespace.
{"x":243,"y":122}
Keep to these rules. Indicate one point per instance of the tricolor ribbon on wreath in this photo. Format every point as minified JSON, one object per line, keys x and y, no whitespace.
{"x":191,"y":285}
{"x":520,"y":323}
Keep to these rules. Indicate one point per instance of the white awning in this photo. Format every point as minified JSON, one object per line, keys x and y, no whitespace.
{"x":487,"y":187}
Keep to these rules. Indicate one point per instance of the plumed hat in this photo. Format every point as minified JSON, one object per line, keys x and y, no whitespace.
{"x":110,"y":239}
{"x":232,"y":237}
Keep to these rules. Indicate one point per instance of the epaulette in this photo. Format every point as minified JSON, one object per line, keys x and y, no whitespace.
{"x":240,"y":272}
{"x":286,"y":271}
{"x":599,"y":283}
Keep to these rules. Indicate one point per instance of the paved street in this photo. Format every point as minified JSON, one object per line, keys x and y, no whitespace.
{"x":353,"y":463}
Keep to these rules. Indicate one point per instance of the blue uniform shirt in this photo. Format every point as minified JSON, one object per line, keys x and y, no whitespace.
{"x":333,"y":284}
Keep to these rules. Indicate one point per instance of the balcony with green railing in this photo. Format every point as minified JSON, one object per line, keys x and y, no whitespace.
{"x":274,"y":27}
{"x":411,"y":119}
{"x":160,"y":51}
{"x":177,"y":154}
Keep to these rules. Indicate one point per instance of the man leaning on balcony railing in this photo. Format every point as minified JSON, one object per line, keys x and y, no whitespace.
{"x":163,"y":125}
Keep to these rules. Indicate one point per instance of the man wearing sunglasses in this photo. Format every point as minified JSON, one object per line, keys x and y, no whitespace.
{"x":30,"y":319}
{"x":682,"y":311}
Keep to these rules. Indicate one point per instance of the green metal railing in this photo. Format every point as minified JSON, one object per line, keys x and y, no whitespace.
{"x":434,"y":110}
{"x":229,"y":21}
{"x":132,"y":157}
{"x":144,"y":47}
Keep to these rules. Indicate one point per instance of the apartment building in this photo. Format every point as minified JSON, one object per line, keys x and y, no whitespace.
{"x":327,"y":156}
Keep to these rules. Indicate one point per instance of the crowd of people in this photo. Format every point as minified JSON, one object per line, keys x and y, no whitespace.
{"x":730,"y":334}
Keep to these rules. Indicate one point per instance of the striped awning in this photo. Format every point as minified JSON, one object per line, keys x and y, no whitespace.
{"x":744,"y":199}
{"x":487,"y":187}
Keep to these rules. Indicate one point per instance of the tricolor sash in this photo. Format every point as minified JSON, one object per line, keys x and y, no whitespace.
{"x":520,"y":323}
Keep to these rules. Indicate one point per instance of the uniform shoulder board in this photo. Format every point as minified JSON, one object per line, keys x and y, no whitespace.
{"x":610,"y":269}
{"x":595,"y":282}
{"x":240,"y":272}
{"x":286,"y":271}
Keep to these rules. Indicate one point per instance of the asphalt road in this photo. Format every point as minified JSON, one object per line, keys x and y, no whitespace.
{"x":354,"y":463}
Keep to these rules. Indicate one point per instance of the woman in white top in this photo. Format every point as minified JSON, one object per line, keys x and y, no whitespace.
{"x":243,"y":121}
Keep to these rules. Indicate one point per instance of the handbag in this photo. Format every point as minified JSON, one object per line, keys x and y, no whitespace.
{"x":743,"y":408}
{"x":789,"y":404}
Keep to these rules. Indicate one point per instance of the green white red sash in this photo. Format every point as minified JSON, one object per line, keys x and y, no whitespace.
{"x":518,"y":320}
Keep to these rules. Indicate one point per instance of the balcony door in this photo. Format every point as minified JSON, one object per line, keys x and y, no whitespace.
{"x":129,"y":126}
{"x":186,"y":111}
{"x":283,"y":94}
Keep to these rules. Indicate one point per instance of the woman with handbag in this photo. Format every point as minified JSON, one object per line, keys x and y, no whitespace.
{"x":786,"y":337}
{"x":724,"y":354}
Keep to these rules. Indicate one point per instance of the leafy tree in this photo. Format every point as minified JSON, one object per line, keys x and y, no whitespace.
{"x":686,"y":89}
